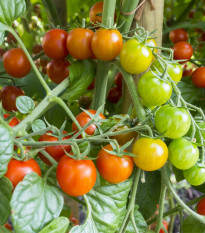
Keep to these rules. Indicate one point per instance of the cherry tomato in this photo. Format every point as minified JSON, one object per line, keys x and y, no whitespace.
{"x":118,"y":80}
{"x":166,"y":225}
{"x":106,"y":44}
{"x":112,"y":167}
{"x":198,"y":77}
{"x":195,"y":175}
{"x":2,"y":52}
{"x":183,"y":154}
{"x":201,"y":124}
{"x":57,"y":70}
{"x":182,"y":51}
{"x":18,"y":169}
{"x":187,"y":72}
{"x":114,"y":95}
{"x":151,"y":154}
{"x":74,"y":221}
{"x":83,"y":119}
{"x":8,"y":226}
{"x":8,"y":97}
{"x":13,"y":122}
{"x":153,"y":91}
{"x":178,"y":35}
{"x":11,"y":39}
{"x":79,"y":43}
{"x":85,"y":102}
{"x":37,"y":49}
{"x":135,"y":57}
{"x":16,"y":63}
{"x":54,"y":44}
{"x":91,"y":86}
{"x":173,"y":70}
{"x":76,"y":177}
{"x":56,"y":152}
{"x":172,"y":122}
{"x":201,"y":207}
{"x":153,"y":43}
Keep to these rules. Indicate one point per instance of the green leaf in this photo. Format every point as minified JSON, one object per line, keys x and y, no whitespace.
{"x":25,"y":104}
{"x":58,"y":225}
{"x":11,"y":10}
{"x":178,"y":174}
{"x":34,"y":204}
{"x":4,"y":230}
{"x":6,"y":188}
{"x":108,"y":204}
{"x":192,"y":225}
{"x":38,"y":125}
{"x":1,"y":37}
{"x":140,"y":222}
{"x":148,"y":194}
{"x":6,"y":149}
{"x":81,"y":74}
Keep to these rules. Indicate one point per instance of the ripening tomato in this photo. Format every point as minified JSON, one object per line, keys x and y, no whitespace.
{"x":135,"y":57}
{"x":56,"y":152}
{"x":201,"y":207}
{"x":8,"y":97}
{"x":112,"y":167}
{"x":178,"y":35}
{"x":182,"y":51}
{"x":79,"y":43}
{"x":18,"y":169}
{"x":83,"y":119}
{"x":37,"y":48}
{"x":54,"y":44}
{"x":16,"y":63}
{"x":8,"y":226}
{"x":106,"y":44}
{"x":172,"y":122}
{"x":198,"y":77}
{"x":195,"y":175}
{"x":151,"y":154}
{"x":153,"y":91}
{"x":187,"y":72}
{"x":118,"y":80}
{"x":57,"y":70}
{"x":173,"y":70}
{"x":183,"y":154}
{"x":114,"y":95}
{"x":76,"y":177}
{"x":13,"y":122}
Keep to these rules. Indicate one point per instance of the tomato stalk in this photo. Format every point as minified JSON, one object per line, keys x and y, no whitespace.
{"x":181,"y":217}
{"x":49,"y":171}
{"x":53,"y":11}
{"x":51,"y":159}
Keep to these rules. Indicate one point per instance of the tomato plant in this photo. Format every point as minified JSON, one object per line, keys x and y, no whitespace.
{"x":95,"y":13}
{"x":198,"y":77}
{"x":114,"y":95}
{"x":201,"y":207}
{"x":182,"y":51}
{"x":195,"y":175}
{"x":13,"y":122}
{"x":178,"y":35}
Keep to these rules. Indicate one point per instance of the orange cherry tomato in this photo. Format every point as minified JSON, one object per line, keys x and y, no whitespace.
{"x":198,"y":77}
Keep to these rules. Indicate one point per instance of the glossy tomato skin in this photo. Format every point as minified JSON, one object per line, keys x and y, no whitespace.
{"x":187,"y":72}
{"x":172,"y":122}
{"x":56,"y":152}
{"x":153,"y":91}
{"x":54,"y":44}
{"x":79,"y":43}
{"x":37,"y":48}
{"x":153,"y":43}
{"x":76,"y":177}
{"x":106,"y":44}
{"x":198,"y":77}
{"x":182,"y":51}
{"x":178,"y":35}
{"x":135,"y":57}
{"x":58,"y":70}
{"x":201,"y":207}
{"x":183,"y":154}
{"x":173,"y":70}
{"x":151,"y":154}
{"x":16,"y":63}
{"x":8,"y":96}
{"x":18,"y":169}
{"x":83,"y":119}
{"x":113,"y":168}
{"x":195,"y":175}
{"x":114,"y":95}
{"x":13,"y":122}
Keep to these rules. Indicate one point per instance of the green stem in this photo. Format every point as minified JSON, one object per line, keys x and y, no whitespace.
{"x":53,"y":11}
{"x":132,"y":218}
{"x":49,"y":171}
{"x":172,"y":217}
{"x":51,"y":159}
{"x":108,"y":12}
{"x":44,"y":84}
{"x":181,"y":220}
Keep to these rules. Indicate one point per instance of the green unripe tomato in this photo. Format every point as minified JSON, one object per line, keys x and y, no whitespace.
{"x":172,"y":122}
{"x":153,"y":91}
{"x":197,"y":136}
{"x":173,"y":70}
{"x":183,"y":154}
{"x":195,"y":175}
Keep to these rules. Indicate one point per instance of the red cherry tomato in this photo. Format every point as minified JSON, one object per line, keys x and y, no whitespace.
{"x":57,"y":70}
{"x":74,"y":220}
{"x":187,"y":72}
{"x":18,"y":169}
{"x":112,"y":167}
{"x":16,"y":63}
{"x":13,"y":122}
{"x":201,"y":207}
{"x":2,"y":52}
{"x":178,"y":35}
{"x":54,"y":44}
{"x":106,"y":44}
{"x":37,"y":49}
{"x":76,"y":177}
{"x":11,"y":39}
{"x":83,"y":119}
{"x":8,"y":97}
{"x":114,"y":95}
{"x":79,"y":43}
{"x":8,"y":226}
{"x":198,"y":77}
{"x":118,"y":80}
{"x":57,"y":152}
{"x":182,"y":51}
{"x":166,"y":225}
